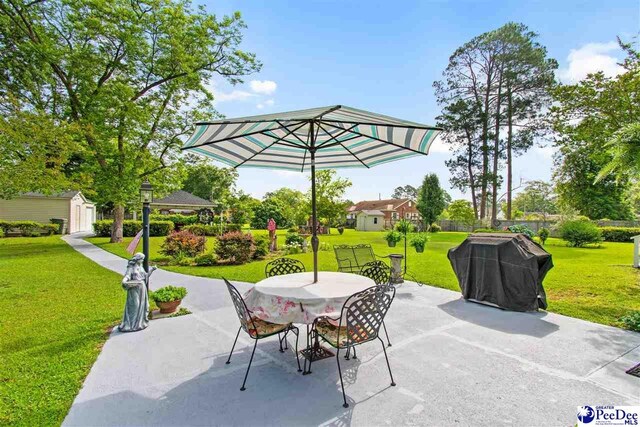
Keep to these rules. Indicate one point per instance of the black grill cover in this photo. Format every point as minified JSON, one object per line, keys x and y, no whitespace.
{"x":503,"y":269}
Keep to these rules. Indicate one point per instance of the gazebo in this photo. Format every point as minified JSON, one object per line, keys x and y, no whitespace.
{"x":181,"y":202}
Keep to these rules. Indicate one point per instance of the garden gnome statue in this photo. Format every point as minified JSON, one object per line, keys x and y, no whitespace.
{"x":273,"y":243}
{"x":136,"y":309}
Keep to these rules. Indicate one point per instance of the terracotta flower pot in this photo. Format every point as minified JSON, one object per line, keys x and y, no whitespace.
{"x":168,"y":307}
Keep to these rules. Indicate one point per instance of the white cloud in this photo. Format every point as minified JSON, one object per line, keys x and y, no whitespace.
{"x":591,"y":58}
{"x":236,"y":95}
{"x":263,"y":87}
{"x":267,"y":103}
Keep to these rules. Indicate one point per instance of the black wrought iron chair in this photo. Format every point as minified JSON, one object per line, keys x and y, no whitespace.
{"x":256,"y":328}
{"x":359,"y":322}
{"x":380,"y":273}
{"x":283,"y":266}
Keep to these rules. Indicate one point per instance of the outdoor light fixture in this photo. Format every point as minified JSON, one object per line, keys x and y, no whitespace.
{"x":146,"y":192}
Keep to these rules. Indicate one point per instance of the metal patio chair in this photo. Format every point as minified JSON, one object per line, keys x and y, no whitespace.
{"x":351,"y":258}
{"x":256,"y":328}
{"x":380,"y":273}
{"x":283,"y":266}
{"x":359,"y":322}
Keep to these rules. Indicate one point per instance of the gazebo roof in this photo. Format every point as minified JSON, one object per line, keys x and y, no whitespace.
{"x":183,"y":199}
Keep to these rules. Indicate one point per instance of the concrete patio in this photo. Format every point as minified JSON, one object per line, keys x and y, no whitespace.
{"x":454,"y":362}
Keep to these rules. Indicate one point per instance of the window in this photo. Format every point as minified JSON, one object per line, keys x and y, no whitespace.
{"x":375,"y":220}
{"x":394,"y":215}
{"x":408,"y":215}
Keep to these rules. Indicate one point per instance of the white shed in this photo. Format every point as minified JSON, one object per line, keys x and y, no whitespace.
{"x":79,"y":212}
{"x":370,"y":220}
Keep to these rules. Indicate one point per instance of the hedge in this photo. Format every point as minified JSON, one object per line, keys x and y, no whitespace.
{"x":130,"y":228}
{"x":213,"y":229}
{"x":178,"y":220}
{"x":28,"y":228}
{"x":619,"y":234}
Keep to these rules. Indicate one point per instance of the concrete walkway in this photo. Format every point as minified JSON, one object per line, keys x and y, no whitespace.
{"x":454,"y":362}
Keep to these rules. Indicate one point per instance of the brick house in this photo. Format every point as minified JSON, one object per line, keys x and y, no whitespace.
{"x":392,"y":209}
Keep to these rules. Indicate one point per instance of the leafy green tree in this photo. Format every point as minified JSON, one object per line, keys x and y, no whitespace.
{"x":296,"y":210}
{"x":431,"y":199}
{"x":585,"y":118}
{"x":624,"y":148}
{"x":267,"y":209}
{"x":241,"y":207}
{"x":406,"y":192}
{"x":330,"y":191}
{"x":210,"y":182}
{"x":121,"y":72}
{"x":461,"y":211}
{"x":537,"y":197}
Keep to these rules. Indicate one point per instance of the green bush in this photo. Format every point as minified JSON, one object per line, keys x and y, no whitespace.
{"x":522,"y":229}
{"x":28,"y":228}
{"x":212,"y":229}
{"x":579,"y":233}
{"x":178,"y":220}
{"x":183,"y":243}
{"x":208,"y":259}
{"x":5,"y":226}
{"x":130,"y":228}
{"x":235,"y":247}
{"x":435,"y":228}
{"x":632,"y":321}
{"x":293,"y":238}
{"x":619,"y":234}
{"x":543,"y":234}
{"x":487,"y":230}
{"x":169,"y":293}
{"x":262,"y":247}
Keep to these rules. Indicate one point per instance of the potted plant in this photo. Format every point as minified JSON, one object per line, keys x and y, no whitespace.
{"x":404,"y":226}
{"x":392,"y":237}
{"x":169,"y":298}
{"x":419,"y":241}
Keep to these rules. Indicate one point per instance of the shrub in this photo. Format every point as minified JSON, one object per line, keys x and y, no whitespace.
{"x":262,"y":247}
{"x":487,"y":230}
{"x":183,"y":243}
{"x":131,"y":227}
{"x":523,"y":229}
{"x":49,"y":229}
{"x":543,"y":234}
{"x":160,"y":228}
{"x":208,"y":259}
{"x":198,"y":229}
{"x":292,"y":249}
{"x":293,"y":238}
{"x":619,"y":234}
{"x":579,"y":233}
{"x":292,"y":230}
{"x":5,"y":226}
{"x":27,"y":228}
{"x":102,"y":228}
{"x":212,"y":229}
{"x":178,"y":220}
{"x":632,"y":321}
{"x":169,"y":293}
{"x":435,"y":228}
{"x":235,"y":247}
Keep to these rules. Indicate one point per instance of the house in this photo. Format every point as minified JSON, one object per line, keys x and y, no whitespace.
{"x":369,"y":220}
{"x":79,"y":213}
{"x":392,"y":210}
{"x":181,"y":202}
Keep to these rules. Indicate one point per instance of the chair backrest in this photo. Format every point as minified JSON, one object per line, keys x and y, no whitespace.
{"x":283,"y":266}
{"x":377,"y":271}
{"x":244,"y":315}
{"x":363,"y":313}
{"x":345,"y":257}
{"x":363,"y":254}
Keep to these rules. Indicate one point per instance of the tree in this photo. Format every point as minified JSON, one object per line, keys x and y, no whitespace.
{"x":296,"y":210}
{"x":330,"y":190}
{"x":536,"y":197}
{"x":431,"y":201}
{"x":241,"y":207}
{"x":585,"y":118}
{"x":120,"y":72}
{"x":267,"y":209}
{"x":461,"y":211}
{"x":498,"y":79}
{"x":406,"y":192}
{"x":210,"y":182}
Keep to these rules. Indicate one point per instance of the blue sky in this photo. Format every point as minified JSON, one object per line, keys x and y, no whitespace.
{"x":384,"y":57}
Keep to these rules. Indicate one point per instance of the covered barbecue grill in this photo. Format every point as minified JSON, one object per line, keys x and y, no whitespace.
{"x":502,"y":269}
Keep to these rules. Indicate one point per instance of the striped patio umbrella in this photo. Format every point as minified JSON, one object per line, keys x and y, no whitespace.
{"x":305,"y":140}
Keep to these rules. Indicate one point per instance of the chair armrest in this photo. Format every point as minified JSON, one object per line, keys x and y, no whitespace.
{"x":343,"y":260}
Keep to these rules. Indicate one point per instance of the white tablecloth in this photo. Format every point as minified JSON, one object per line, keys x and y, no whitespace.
{"x":295,"y":298}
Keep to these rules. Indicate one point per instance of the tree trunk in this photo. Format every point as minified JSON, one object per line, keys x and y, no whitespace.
{"x":472,"y":181}
{"x":485,"y":152}
{"x":496,"y":157}
{"x":116,"y":228}
{"x":509,"y":156}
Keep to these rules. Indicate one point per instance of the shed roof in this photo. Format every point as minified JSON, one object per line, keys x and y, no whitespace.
{"x":372,"y":212}
{"x":183,"y":198}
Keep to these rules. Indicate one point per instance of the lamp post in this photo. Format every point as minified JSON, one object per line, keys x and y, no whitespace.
{"x":146,"y":197}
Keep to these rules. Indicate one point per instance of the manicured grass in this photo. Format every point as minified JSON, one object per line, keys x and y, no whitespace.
{"x":596,"y":284}
{"x":57,"y":307}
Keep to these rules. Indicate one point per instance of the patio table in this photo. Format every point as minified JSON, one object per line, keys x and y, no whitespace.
{"x":294,"y":298}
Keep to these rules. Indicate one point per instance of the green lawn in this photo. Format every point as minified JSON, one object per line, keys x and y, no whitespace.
{"x":57,"y":307}
{"x":596,"y":284}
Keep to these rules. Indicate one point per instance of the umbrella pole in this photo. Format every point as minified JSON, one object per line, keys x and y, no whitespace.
{"x":314,"y":228}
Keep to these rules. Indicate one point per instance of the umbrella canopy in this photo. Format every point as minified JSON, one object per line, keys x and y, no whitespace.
{"x":318,"y":138}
